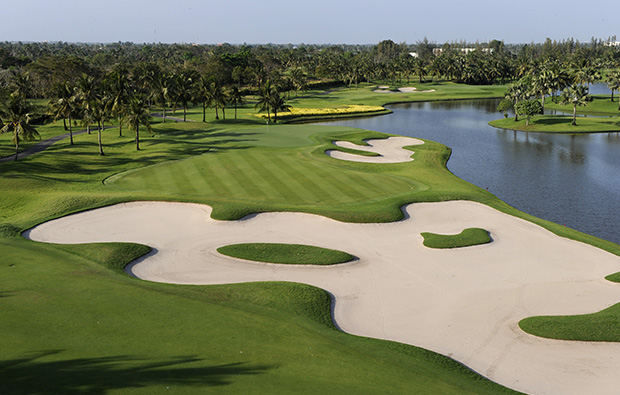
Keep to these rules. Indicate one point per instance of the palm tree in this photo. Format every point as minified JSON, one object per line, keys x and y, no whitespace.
{"x":264,"y":98}
{"x":202,"y":95}
{"x":278,"y":103}
{"x":16,"y":119}
{"x":419,"y":67}
{"x":613,"y":82}
{"x":87,"y":94}
{"x":138,"y":113}
{"x":184,"y":89}
{"x":515,"y":94}
{"x":163,"y":90}
{"x":299,"y":80}
{"x":542,"y":85}
{"x":559,"y":79}
{"x":101,"y":113}
{"x":236,"y":98}
{"x":118,"y":87}
{"x":63,"y":106}
{"x":577,"y":96}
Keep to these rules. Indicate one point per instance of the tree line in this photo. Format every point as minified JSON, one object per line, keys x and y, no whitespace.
{"x":98,"y":83}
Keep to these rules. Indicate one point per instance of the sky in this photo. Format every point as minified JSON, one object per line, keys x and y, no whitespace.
{"x":308,"y":21}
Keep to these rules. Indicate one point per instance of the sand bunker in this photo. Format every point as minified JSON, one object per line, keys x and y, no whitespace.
{"x":411,"y":89}
{"x":406,"y":89}
{"x":390,"y":150}
{"x":463,"y":303}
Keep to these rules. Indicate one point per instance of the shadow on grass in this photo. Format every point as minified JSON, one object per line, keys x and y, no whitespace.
{"x":555,"y":121}
{"x":34,"y":374}
{"x":66,"y":161}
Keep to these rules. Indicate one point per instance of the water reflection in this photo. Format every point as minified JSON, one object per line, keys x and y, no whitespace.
{"x":569,"y":179}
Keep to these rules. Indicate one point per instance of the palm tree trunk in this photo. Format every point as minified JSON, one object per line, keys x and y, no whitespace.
{"x":216,"y":115}
{"x":574,"y":115}
{"x":70,"y":131}
{"x":137,"y":138}
{"x":223,"y":113}
{"x":543,"y":103}
{"x":120,"y":127}
{"x":64,"y":120}
{"x":235,"y":109}
{"x":612,"y":95}
{"x":16,"y":149}
{"x":164,"y":115}
{"x":275,"y":116}
{"x":100,"y":128}
{"x":204,"y":111}
{"x":184,"y":112}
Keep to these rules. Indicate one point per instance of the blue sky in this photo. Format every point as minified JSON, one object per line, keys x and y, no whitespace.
{"x":308,"y":21}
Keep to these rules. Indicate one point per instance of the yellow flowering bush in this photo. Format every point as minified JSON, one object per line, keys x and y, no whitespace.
{"x":310,"y":112}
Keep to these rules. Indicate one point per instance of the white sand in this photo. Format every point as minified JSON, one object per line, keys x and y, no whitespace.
{"x":390,"y":150}
{"x":405,"y":89}
{"x":464,"y":303}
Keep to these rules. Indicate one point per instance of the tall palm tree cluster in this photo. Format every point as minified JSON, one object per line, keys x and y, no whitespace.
{"x":567,"y":85}
{"x":270,"y":100}
{"x":16,"y":114}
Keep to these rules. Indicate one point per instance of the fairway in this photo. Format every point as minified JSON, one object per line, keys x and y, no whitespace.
{"x":266,"y":175}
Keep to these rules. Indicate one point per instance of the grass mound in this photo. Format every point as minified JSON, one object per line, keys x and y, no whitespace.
{"x":603,"y":326}
{"x":468,"y":237}
{"x":297,"y":254}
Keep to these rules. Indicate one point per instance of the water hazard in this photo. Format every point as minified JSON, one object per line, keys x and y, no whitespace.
{"x":569,"y":179}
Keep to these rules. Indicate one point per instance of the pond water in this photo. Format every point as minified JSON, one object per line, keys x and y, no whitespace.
{"x":568,"y":179}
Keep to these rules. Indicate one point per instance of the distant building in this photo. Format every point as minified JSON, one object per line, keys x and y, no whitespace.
{"x":438,"y":51}
{"x":613,"y":43}
{"x":414,"y":54}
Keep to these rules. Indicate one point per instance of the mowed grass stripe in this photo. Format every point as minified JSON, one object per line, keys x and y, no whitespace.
{"x":240,"y":178}
{"x":299,"y":172}
{"x":379,"y":188}
{"x":215,"y":177}
{"x":339,"y":180}
{"x":365,"y":185}
{"x":262,"y":166}
{"x":183,"y":178}
{"x":164,"y":179}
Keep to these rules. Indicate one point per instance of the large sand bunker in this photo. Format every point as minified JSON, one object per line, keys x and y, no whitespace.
{"x":388,"y":150}
{"x":464,"y":303}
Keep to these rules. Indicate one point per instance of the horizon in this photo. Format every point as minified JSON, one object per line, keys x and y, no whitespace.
{"x":430,"y":41}
{"x":359,"y":22}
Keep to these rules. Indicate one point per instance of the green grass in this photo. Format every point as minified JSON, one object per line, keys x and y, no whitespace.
{"x":296,"y":254}
{"x":71,"y":320}
{"x":560,"y":124}
{"x":603,"y":326}
{"x":468,"y":237}
{"x":600,"y":104}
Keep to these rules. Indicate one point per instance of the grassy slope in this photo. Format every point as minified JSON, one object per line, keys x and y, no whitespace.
{"x":296,"y":254}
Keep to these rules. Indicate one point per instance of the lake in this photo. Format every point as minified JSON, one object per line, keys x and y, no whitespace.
{"x":572,"y":180}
